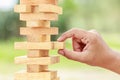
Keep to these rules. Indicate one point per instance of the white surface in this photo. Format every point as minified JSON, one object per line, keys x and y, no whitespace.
{"x":78,"y":75}
{"x":7,"y":4}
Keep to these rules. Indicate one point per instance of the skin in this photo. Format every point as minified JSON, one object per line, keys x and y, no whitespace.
{"x":90,"y":48}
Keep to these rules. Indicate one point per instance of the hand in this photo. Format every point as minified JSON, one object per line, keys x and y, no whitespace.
{"x":89,"y":48}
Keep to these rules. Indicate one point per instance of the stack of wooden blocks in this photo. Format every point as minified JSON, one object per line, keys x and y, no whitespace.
{"x":38,"y":14}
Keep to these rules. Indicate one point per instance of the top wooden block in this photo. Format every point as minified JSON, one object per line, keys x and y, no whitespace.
{"x":41,"y":8}
{"x":37,"y":2}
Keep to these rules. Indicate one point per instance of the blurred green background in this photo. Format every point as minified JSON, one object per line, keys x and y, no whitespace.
{"x":102,"y":15}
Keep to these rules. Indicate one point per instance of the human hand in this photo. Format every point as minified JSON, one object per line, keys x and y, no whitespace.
{"x":88,"y":47}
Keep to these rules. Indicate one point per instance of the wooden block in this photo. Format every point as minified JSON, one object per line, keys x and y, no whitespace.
{"x":38,"y":16}
{"x":50,"y":8}
{"x":36,"y":76}
{"x":37,"y":2}
{"x":23,"y":8}
{"x":33,"y":68}
{"x":38,"y":53}
{"x":33,"y":45}
{"x":58,"y":45}
{"x":43,"y":8}
{"x":40,"y":61}
{"x":39,"y":31}
{"x":39,"y":45}
{"x":38,"y":23}
{"x":38,"y":38}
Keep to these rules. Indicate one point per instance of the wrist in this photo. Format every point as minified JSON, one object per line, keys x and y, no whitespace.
{"x":114,"y":62}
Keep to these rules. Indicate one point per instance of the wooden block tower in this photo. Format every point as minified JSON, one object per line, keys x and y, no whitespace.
{"x":38,"y":14}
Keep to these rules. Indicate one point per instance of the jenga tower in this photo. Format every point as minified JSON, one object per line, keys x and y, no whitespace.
{"x":38,"y":14}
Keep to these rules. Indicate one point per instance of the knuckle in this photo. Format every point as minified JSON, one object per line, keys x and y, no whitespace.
{"x":94,"y":38}
{"x":93,"y":30}
{"x":74,"y":29}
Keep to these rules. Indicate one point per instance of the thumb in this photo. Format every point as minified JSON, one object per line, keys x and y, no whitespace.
{"x":73,"y":55}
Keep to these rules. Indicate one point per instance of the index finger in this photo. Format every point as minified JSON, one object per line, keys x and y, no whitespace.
{"x":77,"y":33}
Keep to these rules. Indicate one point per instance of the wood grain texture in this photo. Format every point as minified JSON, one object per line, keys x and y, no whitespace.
{"x":39,"y":31}
{"x":23,"y":8}
{"x":48,"y":75}
{"x":38,"y":23}
{"x":42,"y":8}
{"x":34,"y":45}
{"x":40,"y":61}
{"x":38,"y":16}
{"x":37,"y":53}
{"x":49,"y":8}
{"x":33,"y":68}
{"x":39,"y":45}
{"x":37,"y":2}
{"x":38,"y":38}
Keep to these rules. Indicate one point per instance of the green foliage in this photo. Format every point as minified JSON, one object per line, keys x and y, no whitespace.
{"x":102,"y":15}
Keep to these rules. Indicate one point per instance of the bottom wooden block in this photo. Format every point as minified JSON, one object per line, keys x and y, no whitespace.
{"x":50,"y":75}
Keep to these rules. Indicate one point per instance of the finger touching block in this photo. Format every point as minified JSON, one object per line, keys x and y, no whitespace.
{"x":23,"y":8}
{"x":59,"y":45}
{"x":39,"y":31}
{"x":39,"y":61}
{"x":38,"y":16}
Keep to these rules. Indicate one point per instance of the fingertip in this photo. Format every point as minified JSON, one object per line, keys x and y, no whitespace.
{"x":59,"y":39}
{"x":61,"y":52}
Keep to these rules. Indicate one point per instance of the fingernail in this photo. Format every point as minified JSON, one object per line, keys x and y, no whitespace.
{"x":61,"y":52}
